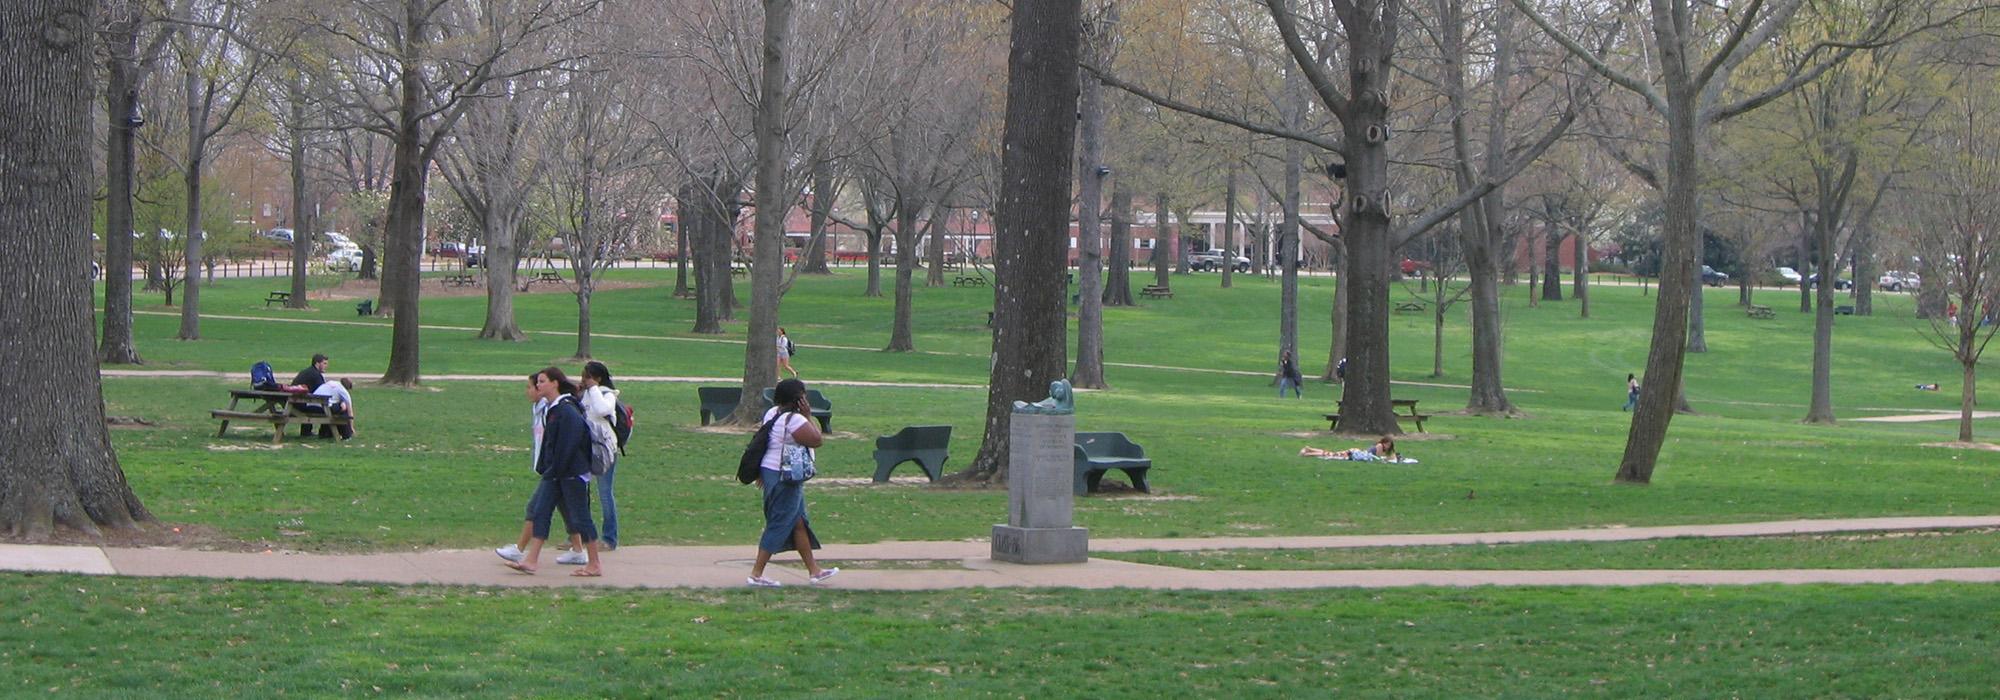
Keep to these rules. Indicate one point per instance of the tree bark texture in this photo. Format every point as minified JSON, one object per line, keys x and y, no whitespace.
{"x":823,"y":198}
{"x":1580,"y":288}
{"x":1089,"y":372}
{"x":1336,"y":348}
{"x":1365,"y":227}
{"x":191,"y":234}
{"x":121,"y":99}
{"x":1229,"y":227}
{"x":1118,"y":279}
{"x":57,"y":465}
{"x":304,"y":221}
{"x":1552,"y":271}
{"x":1032,"y":220}
{"x":907,"y":233}
{"x":1163,"y":236}
{"x":767,"y":269}
{"x":403,"y":232}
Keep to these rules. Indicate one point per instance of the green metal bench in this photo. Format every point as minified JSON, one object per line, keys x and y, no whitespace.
{"x":923,"y":444}
{"x":1097,"y":453}
{"x":822,"y":409}
{"x":718,"y":401}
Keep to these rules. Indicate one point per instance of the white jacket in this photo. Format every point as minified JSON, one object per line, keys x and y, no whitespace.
{"x":598,"y":404}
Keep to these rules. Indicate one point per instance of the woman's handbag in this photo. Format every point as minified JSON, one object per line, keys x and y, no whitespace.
{"x":797,"y":463}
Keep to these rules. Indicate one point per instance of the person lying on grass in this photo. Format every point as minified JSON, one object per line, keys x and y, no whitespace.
{"x":1384,"y":450}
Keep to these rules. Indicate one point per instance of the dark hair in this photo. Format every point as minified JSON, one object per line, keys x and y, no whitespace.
{"x":555,"y":374}
{"x":318,"y":358}
{"x":596,"y":370}
{"x":788,"y":393}
{"x":346,"y":384}
{"x":1630,"y":376}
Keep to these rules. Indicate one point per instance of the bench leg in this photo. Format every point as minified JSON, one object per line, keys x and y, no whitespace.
{"x":1138,"y":477}
{"x":934,"y":471}
{"x":1094,"y":477}
{"x":825,"y":424}
{"x":225,"y":428}
{"x":277,"y":432}
{"x":883,"y":469}
{"x":704,"y":416}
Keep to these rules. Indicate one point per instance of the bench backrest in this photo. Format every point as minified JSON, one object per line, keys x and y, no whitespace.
{"x":813,"y":399}
{"x":1108,"y":445}
{"x":719,"y":395}
{"x":916,"y":437}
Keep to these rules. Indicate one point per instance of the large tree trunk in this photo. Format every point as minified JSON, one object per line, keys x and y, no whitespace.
{"x":906,"y":267}
{"x":1968,"y":393}
{"x":1089,"y":372}
{"x":823,"y":198}
{"x":121,"y":100}
{"x":1680,"y":255}
{"x":1697,"y":333}
{"x":502,"y":261}
{"x":1821,"y":409}
{"x":1552,"y":271}
{"x":57,"y":465}
{"x":191,"y":233}
{"x":304,"y":221}
{"x":767,"y":268}
{"x":1336,"y":349}
{"x":1581,"y":288}
{"x":1118,"y":281}
{"x":1031,"y":239}
{"x":1163,"y":240}
{"x":874,"y":286}
{"x":1229,"y":228}
{"x":404,"y":235}
{"x":1288,"y":231}
{"x":683,"y":214}
{"x":711,"y":212}
{"x":1365,"y":407}
{"x":934,"y":245}
{"x":1481,"y":227}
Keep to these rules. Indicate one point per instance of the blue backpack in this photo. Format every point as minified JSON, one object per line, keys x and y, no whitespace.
{"x":261,"y":377}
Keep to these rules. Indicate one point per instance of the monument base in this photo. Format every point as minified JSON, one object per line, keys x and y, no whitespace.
{"x":1041,"y":545}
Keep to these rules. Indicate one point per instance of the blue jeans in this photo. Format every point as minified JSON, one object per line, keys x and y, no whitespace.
{"x":572,"y":498}
{"x":610,"y":508}
{"x":1287,"y":382}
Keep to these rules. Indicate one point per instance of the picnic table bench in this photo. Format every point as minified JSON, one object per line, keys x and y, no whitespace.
{"x":279,"y":408}
{"x":460,"y":280}
{"x":1154,"y":291}
{"x":1411,"y":306}
{"x":718,"y":401}
{"x":822,"y":409}
{"x":923,"y":444}
{"x":1097,"y":453}
{"x":547,"y":276}
{"x":1406,"y":411}
{"x":1759,"y":311}
{"x":739,"y":268}
{"x":968,"y":281}
{"x":277,"y":298}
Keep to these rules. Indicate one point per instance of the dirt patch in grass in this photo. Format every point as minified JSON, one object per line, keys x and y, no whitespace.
{"x":173,"y":535}
{"x":1955,"y":445}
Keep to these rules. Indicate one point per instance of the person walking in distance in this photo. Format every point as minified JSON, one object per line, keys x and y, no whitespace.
{"x":785,"y":348}
{"x":1288,"y":376}
{"x":785,"y":524}
{"x":1631,"y":392}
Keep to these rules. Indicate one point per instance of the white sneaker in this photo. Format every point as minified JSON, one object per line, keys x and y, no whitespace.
{"x":510,"y":553}
{"x":761,"y":582}
{"x":573,"y":558}
{"x":825,"y":574}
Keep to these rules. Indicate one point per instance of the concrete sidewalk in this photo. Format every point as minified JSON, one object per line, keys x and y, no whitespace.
{"x":966,"y":564}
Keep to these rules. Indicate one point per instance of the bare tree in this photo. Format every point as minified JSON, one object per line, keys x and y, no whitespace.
{"x":57,"y":465}
{"x":1030,"y":243}
{"x":136,"y":38}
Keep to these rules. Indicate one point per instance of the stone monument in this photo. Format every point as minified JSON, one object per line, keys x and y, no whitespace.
{"x":1040,"y":476}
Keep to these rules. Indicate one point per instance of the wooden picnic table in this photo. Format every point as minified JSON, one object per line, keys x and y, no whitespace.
{"x":279,"y":408}
{"x":1405,"y":409}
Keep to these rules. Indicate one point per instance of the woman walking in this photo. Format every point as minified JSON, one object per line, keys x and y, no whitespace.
{"x":599,"y":399}
{"x":565,"y":461}
{"x":1631,"y":391}
{"x":1288,"y":376}
{"x":785,"y":352}
{"x":785,"y":525}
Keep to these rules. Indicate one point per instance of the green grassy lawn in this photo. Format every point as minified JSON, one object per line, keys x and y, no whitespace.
{"x":445,"y":465}
{"x":103,"y":637}
{"x":1891,"y":550}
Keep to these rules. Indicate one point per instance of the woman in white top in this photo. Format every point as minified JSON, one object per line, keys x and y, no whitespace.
{"x":785,"y":524}
{"x":599,"y":399}
{"x":785,"y":352}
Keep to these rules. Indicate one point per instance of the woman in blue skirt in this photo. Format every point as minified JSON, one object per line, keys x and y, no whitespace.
{"x":785,"y":525}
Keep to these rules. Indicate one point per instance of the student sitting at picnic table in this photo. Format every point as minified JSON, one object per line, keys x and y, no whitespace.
{"x":308,"y":381}
{"x":1384,"y":450}
{"x":338,"y":402}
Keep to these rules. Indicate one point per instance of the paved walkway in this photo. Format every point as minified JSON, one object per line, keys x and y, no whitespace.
{"x":966,"y":564}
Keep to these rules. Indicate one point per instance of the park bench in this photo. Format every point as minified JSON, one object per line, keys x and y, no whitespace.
{"x":1759,"y":311}
{"x":1843,"y":310}
{"x":1411,"y":306}
{"x":1097,"y":453}
{"x":739,"y":268}
{"x":550,"y":276}
{"x":1406,"y":412}
{"x":1154,"y":291}
{"x":365,"y":308}
{"x":923,"y":444}
{"x":969,"y":281}
{"x":461,"y":280}
{"x":277,"y":298}
{"x":718,"y":401}
{"x":278,"y":408}
{"x":822,"y":409}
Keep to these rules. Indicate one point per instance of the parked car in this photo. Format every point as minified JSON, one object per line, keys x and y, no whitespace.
{"x":348,"y":259}
{"x":1712,"y":278}
{"x":1212,"y":259}
{"x":475,"y":256}
{"x":1898,"y":281}
{"x":448,"y":249}
{"x":1788,"y":276}
{"x":281,"y":235}
{"x":336,"y":240}
{"x":1812,"y":280}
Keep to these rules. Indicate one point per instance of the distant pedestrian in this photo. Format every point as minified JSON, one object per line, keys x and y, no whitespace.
{"x":1288,"y":376}
{"x":785,"y":348}
{"x":1631,"y":392}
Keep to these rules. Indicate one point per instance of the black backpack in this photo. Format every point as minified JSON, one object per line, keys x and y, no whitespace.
{"x":621,"y":424}
{"x":790,"y":348}
{"x":752,"y":462}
